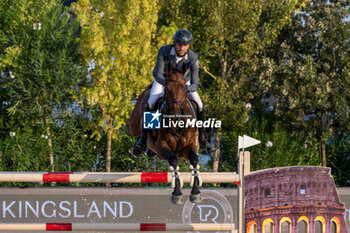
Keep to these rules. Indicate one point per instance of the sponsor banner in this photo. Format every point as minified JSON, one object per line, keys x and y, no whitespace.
{"x":122,"y":205}
{"x":113,"y":205}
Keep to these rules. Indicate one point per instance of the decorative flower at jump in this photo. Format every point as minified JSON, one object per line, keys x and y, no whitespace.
{"x":248,"y":106}
{"x":12,"y":75}
{"x":269,"y":144}
{"x":12,"y":134}
{"x":36,"y":26}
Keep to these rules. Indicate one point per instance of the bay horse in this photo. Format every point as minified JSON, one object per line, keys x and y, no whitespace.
{"x":172,"y":143}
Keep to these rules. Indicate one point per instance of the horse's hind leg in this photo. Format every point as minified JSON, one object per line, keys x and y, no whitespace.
{"x":196,"y":180}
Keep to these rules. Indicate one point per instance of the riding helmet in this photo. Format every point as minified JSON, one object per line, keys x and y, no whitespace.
{"x":183,"y":36}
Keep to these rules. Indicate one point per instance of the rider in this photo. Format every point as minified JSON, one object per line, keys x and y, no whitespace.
{"x":176,"y":55}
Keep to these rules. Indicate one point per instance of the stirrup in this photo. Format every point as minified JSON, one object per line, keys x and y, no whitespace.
{"x":149,"y":152}
{"x":138,"y":147}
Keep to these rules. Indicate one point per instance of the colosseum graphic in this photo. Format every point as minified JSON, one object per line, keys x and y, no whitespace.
{"x":293,"y":200}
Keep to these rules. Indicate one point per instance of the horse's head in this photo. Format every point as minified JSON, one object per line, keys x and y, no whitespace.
{"x":175,"y":89}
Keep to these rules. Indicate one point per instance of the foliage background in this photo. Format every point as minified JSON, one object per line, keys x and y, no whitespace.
{"x":274,"y":70}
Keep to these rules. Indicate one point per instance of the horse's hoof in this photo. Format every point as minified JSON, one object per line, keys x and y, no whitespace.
{"x":195,"y":198}
{"x":177,"y":200}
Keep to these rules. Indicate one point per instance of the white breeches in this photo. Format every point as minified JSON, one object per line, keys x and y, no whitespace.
{"x":157,"y":91}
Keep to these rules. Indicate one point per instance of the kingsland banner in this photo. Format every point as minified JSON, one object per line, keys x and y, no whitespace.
{"x":113,"y":205}
{"x":121,"y":205}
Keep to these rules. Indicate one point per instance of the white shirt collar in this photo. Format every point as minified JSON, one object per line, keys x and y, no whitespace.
{"x":172,"y":52}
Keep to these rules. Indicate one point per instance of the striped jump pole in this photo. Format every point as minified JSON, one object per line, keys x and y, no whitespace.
{"x":116,"y":227}
{"x":115,"y":177}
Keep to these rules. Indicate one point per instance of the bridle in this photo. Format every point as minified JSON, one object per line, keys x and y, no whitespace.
{"x":174,"y":101}
{"x":166,"y":104}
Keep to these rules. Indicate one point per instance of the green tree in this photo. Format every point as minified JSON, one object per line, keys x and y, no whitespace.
{"x":278,"y":147}
{"x":338,"y":151}
{"x":116,"y":48}
{"x":39,"y":62}
{"x":307,"y":73}
{"x":227,"y":36}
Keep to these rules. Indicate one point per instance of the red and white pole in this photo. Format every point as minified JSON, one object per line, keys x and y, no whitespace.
{"x":114,"y":177}
{"x":116,"y":227}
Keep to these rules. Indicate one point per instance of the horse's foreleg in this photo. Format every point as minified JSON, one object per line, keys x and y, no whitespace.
{"x":176,"y":175}
{"x":176,"y":181}
{"x":196,"y":180}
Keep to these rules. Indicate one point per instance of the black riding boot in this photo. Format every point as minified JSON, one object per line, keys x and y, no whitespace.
{"x":203,"y":142}
{"x":141,"y":142}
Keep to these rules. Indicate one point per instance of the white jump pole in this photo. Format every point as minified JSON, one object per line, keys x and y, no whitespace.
{"x":115,"y":177}
{"x":116,"y":227}
{"x":243,"y":142}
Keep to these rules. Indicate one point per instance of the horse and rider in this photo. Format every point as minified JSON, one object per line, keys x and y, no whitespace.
{"x":173,"y":92}
{"x":176,"y":55}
